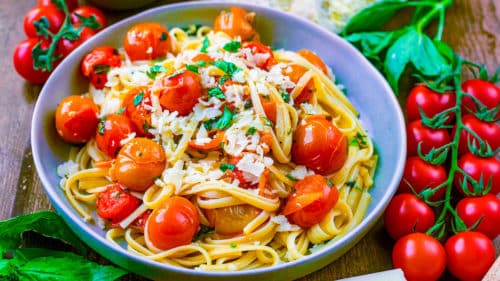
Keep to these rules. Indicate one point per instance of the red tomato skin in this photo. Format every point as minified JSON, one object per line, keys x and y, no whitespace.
{"x":236,"y":22}
{"x":417,"y":132}
{"x":257,"y":48}
{"x":314,"y":59}
{"x":469,"y":255}
{"x":485,"y":91}
{"x":98,"y":57}
{"x":319,"y":145}
{"x":87,"y":12}
{"x":486,"y":208}
{"x":474,"y":166}
{"x":66,"y":46}
{"x":488,"y":131}
{"x":429,"y":101}
{"x":76,"y":119}
{"x":147,"y":41}
{"x":180,"y":92}
{"x":139,"y":113}
{"x":173,"y":223}
{"x":111,"y":131}
{"x":115,"y":203}
{"x":419,"y":175}
{"x":23,"y":62}
{"x":71,"y":4}
{"x":406,"y":214}
{"x":420,"y":256}
{"x":54,"y":16}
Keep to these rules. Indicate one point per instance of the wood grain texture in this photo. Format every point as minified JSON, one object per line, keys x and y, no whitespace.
{"x":472,"y":29}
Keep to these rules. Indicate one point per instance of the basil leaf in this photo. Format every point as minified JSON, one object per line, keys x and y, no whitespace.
{"x":216,"y":92}
{"x":192,"y":68}
{"x":225,"y":120}
{"x":138,"y":99}
{"x":232,"y":46}
{"x":374,"y":16}
{"x":228,"y":67}
{"x":226,"y":166}
{"x":155,"y":70}
{"x":427,"y":59}
{"x":399,"y":55}
{"x":205,"y":45}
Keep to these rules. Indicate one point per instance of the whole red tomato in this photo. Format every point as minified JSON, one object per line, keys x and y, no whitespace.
{"x":406,"y":214}
{"x":115,"y":203}
{"x":111,"y":130}
{"x":147,"y":41}
{"x":486,"y":92}
{"x":237,"y":22}
{"x":54,"y":19}
{"x":485,"y":208}
{"x":419,"y":175}
{"x":179,"y":92}
{"x":23,"y":62}
{"x":476,"y":167}
{"x":66,"y":46}
{"x":429,"y":138}
{"x":71,"y":4}
{"x":76,"y":119}
{"x":430,"y":102}
{"x":420,"y":256}
{"x":487,"y":131}
{"x":87,"y":12}
{"x":469,"y":255}
{"x":137,"y":103}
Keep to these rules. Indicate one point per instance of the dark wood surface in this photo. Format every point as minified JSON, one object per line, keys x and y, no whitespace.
{"x":472,"y":29}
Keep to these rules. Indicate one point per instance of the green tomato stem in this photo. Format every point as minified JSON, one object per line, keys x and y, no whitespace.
{"x":437,"y":8}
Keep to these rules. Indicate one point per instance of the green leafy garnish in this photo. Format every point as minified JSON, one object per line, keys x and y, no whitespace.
{"x":233,"y":245}
{"x":216,"y":92}
{"x":291,"y":177}
{"x":155,"y":70}
{"x":121,"y":110}
{"x":225,"y":120}
{"x":228,"y":67}
{"x":359,"y":140}
{"x":226,"y":166}
{"x":285,"y":95}
{"x":232,"y":46}
{"x":204,"y":230}
{"x":100,"y":126}
{"x":251,"y":130}
{"x":205,"y":45}
{"x":138,"y":98}
{"x":192,"y":68}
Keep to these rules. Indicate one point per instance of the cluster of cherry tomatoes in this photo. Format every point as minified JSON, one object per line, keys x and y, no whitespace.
{"x":428,"y":185}
{"x":54,"y":29}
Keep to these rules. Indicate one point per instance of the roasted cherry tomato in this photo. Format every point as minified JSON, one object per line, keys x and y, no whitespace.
{"x":420,"y":256}
{"x":319,"y":145}
{"x":140,"y":222}
{"x":237,"y":22}
{"x":179,"y":92}
{"x":487,"y":168}
{"x":269,"y":106}
{"x":97,"y":63}
{"x":53,"y":17}
{"x":295,"y":72}
{"x":66,"y":46}
{"x":115,"y":203}
{"x":139,"y":162}
{"x":313,"y":198}
{"x":489,"y":132}
{"x":23,"y":61}
{"x":405,"y":214}
{"x":313,"y":59}
{"x":261,"y":55}
{"x":231,"y":220}
{"x":174,"y":223}
{"x":137,"y":106}
{"x":147,"y":41}
{"x":485,"y":209}
{"x":87,"y":12}
{"x":112,"y":129}
{"x":429,"y":138}
{"x":430,"y":102}
{"x":71,"y":4}
{"x":238,"y":174}
{"x":469,"y":255}
{"x":419,"y":175}
{"x":484,"y":91}
{"x":76,"y":119}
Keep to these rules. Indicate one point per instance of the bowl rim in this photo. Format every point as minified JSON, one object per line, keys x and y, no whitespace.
{"x":354,"y":235}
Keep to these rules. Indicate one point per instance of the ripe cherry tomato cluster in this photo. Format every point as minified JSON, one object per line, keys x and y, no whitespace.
{"x":453,"y":149}
{"x":54,"y":29}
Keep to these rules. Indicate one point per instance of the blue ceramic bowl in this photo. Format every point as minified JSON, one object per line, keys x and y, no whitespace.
{"x":366,"y":88}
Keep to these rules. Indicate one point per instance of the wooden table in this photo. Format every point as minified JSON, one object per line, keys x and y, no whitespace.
{"x":472,"y":29}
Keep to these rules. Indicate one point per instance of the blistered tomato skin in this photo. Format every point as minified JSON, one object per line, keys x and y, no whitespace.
{"x":111,"y":130}
{"x":179,"y":92}
{"x":147,"y":41}
{"x":115,"y":203}
{"x":76,"y":119}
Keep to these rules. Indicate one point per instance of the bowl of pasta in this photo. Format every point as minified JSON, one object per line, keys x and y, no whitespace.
{"x":204,"y":140}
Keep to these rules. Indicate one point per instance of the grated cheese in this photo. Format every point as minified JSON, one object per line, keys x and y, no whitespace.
{"x":284,"y":224}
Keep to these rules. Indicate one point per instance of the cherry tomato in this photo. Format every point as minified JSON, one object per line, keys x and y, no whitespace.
{"x":138,"y":163}
{"x":312,"y":200}
{"x":319,"y":145}
{"x":486,"y":92}
{"x":137,"y":104}
{"x":87,"y":12}
{"x":97,"y":63}
{"x":488,"y":168}
{"x":237,"y":22}
{"x":202,"y":57}
{"x":53,"y":16}
{"x":295,"y":72}
{"x":71,"y":4}
{"x":262,"y":55}
{"x":487,"y":131}
{"x":314,"y":60}
{"x":420,"y":256}
{"x":111,"y":130}
{"x":419,"y":175}
{"x":485,"y":208}
{"x":430,"y":102}
{"x":76,"y":119}
{"x":269,"y":105}
{"x":231,"y":220}
{"x":406,"y":214}
{"x":416,"y":133}
{"x":179,"y":92}
{"x":115,"y":203}
{"x":140,"y":222}
{"x":238,"y":174}
{"x":174,"y":223}
{"x":469,"y":255}
{"x":66,"y":46}
{"x":23,"y":62}
{"x":147,"y":41}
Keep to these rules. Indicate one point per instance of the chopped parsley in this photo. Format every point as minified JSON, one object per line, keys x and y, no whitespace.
{"x":208,"y":125}
{"x":232,"y":46}
{"x":226,"y":166}
{"x":204,"y":230}
{"x":285,"y":95}
{"x":359,"y":140}
{"x":100,"y":126}
{"x":121,"y":110}
{"x":155,"y":70}
{"x":201,"y":63}
{"x":251,"y":130}
{"x":216,"y":92}
{"x":205,"y":45}
{"x":248,"y":104}
{"x":268,"y":122}
{"x":329,"y":182}
{"x":138,"y":99}
{"x":233,"y":245}
{"x":192,"y":68}
{"x":225,"y":120}
{"x":146,"y":127}
{"x":223,"y":79}
{"x":163,"y":36}
{"x":291,"y":177}
{"x":228,"y":67}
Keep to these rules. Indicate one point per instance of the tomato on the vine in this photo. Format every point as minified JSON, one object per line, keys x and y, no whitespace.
{"x":420,"y":256}
{"x":147,"y":41}
{"x":23,"y":61}
{"x":236,"y":22}
{"x":76,"y":119}
{"x":179,"y":92}
{"x":111,"y":130}
{"x":96,"y":64}
{"x":231,"y":220}
{"x":87,"y":12}
{"x":429,"y":101}
{"x":66,"y":46}
{"x":71,"y":4}
{"x":51,"y":17}
{"x":319,"y":145}
{"x":115,"y":203}
{"x":419,"y":175}
{"x":489,"y":132}
{"x":469,"y":255}
{"x":484,"y":91}
{"x":405,"y":214}
{"x":173,"y":223}
{"x":485,"y":168}
{"x":137,"y":104}
{"x":314,"y":59}
{"x":263,"y":56}
{"x":485,"y":210}
{"x":417,"y":132}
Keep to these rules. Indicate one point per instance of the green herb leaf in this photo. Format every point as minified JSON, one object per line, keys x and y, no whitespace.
{"x":268,"y":122}
{"x":216,"y":92}
{"x":163,"y":36}
{"x":155,"y":70}
{"x":205,"y":45}
{"x":100,"y":126}
{"x":233,"y":245}
{"x":121,"y":110}
{"x":204,"y":230}
{"x":228,"y":67}
{"x":201,"y":63}
{"x":291,"y":177}
{"x":191,"y":29}
{"x":251,"y":130}
{"x":192,"y":68}
{"x":374,"y":16}
{"x":138,"y":98}
{"x":232,"y":46}
{"x":223,"y":79}
{"x":226,"y":166}
{"x":285,"y":95}
{"x":225,"y":120}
